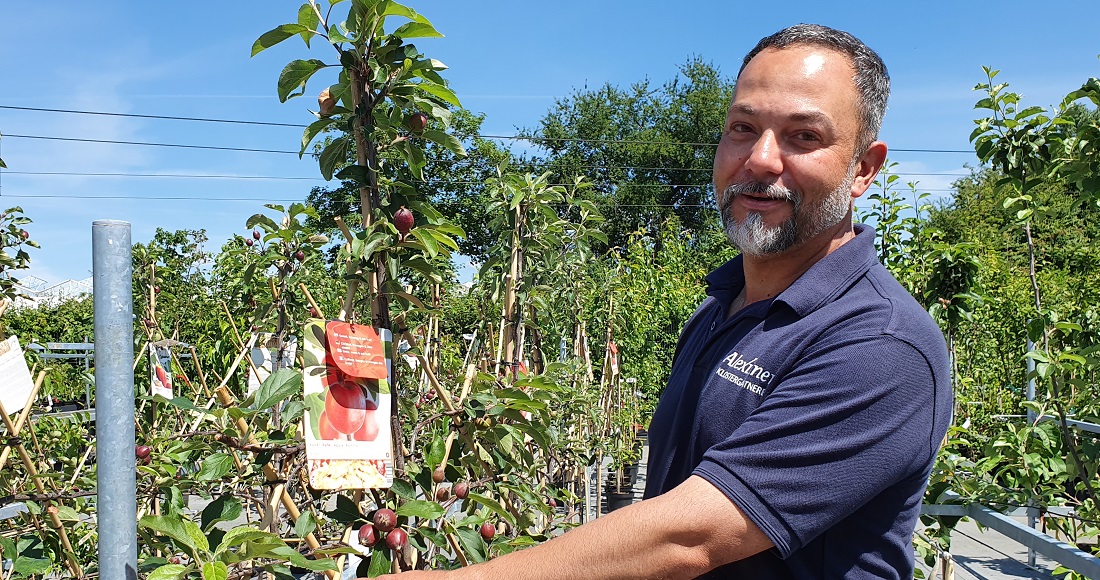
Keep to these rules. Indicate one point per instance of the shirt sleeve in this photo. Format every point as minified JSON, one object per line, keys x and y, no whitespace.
{"x":848,"y":422}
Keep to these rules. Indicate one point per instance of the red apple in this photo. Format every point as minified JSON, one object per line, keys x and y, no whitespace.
{"x":256,"y":235}
{"x":367,"y":536}
{"x":417,"y":122}
{"x":397,"y":539}
{"x":385,"y":520}
{"x":346,"y":406}
{"x":462,"y":490}
{"x":488,"y":531}
{"x":403,"y":220}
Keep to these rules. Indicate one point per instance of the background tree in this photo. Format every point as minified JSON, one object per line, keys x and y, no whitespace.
{"x":648,"y":150}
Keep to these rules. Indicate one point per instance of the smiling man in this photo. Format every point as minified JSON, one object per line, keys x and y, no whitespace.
{"x":809,"y":392}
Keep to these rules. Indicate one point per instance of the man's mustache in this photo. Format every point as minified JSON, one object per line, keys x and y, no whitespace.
{"x":758,"y":189}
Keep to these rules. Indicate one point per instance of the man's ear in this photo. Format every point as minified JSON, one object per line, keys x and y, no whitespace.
{"x":868,"y":167}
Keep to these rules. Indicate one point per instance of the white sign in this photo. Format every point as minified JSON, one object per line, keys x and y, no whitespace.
{"x":15,"y":377}
{"x":268,"y":358}
{"x":160,"y":375}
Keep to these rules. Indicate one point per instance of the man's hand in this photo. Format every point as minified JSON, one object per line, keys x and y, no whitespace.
{"x":681,"y":534}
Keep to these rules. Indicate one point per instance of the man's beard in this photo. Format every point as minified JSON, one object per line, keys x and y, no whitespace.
{"x":755,"y":238}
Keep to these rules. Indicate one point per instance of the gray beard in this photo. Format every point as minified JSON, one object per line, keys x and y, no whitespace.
{"x":755,"y":238}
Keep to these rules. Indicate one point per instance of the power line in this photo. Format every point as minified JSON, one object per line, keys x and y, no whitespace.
{"x":112,"y":142}
{"x":162,"y":117}
{"x":500,"y":137}
{"x":169,"y":175}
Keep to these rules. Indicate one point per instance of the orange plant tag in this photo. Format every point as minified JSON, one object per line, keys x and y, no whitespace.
{"x":356,"y":349}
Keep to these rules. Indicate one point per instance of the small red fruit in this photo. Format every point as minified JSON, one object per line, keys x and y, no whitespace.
{"x":462,"y":490}
{"x":439,"y":474}
{"x":313,"y":312}
{"x":25,"y":234}
{"x":552,"y":502}
{"x":403,"y":220}
{"x":397,"y":539}
{"x":367,"y":536}
{"x":385,"y":520}
{"x":256,"y":235}
{"x":300,"y":256}
{"x":156,"y":289}
{"x":442,"y":493}
{"x":142,"y":451}
{"x":417,"y":122}
{"x":248,"y":242}
{"x":488,"y":531}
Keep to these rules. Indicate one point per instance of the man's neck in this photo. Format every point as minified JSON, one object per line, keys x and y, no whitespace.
{"x":767,"y":276}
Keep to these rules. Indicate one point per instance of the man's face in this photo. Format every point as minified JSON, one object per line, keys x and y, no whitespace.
{"x":784,"y":171}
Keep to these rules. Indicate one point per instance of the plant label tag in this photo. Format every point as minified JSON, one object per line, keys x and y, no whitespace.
{"x":269,"y":357}
{"x":349,"y":442}
{"x":356,"y":349}
{"x":15,"y":378}
{"x":160,"y":362}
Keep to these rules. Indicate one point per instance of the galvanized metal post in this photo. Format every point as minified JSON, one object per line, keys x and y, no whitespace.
{"x":116,"y":500}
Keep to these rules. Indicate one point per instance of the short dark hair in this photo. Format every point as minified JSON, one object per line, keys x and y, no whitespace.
{"x":871,"y":79}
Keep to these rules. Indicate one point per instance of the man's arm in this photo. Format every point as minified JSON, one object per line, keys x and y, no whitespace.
{"x":682,"y":534}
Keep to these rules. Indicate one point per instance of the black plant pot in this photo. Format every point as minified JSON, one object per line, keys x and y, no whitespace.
{"x":618,"y":497}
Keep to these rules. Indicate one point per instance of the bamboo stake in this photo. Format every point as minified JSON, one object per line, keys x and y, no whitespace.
{"x":22,"y":419}
{"x":55,"y":521}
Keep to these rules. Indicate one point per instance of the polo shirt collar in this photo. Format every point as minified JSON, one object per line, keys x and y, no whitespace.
{"x":819,"y":285}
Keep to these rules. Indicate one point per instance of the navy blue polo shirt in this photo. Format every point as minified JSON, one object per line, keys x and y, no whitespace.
{"x":818,"y":412}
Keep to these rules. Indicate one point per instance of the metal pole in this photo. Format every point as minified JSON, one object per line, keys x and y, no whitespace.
{"x":116,"y":503}
{"x":1032,"y":521}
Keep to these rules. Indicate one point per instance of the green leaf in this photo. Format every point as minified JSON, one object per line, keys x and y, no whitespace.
{"x":277,"y":35}
{"x":244,"y":534}
{"x":395,"y":9}
{"x":295,"y":75}
{"x":428,"y":510}
{"x":379,"y":563}
{"x":472,"y":543}
{"x":417,"y":30}
{"x":225,"y":508}
{"x":260,"y":219}
{"x":67,"y":514}
{"x":308,"y":18}
{"x":187,"y":534}
{"x":346,"y":511}
{"x":168,"y":572}
{"x":446,"y":140}
{"x":312,"y":131}
{"x":215,"y":571}
{"x":305,"y":524}
{"x":403,"y":489}
{"x":296,"y":559}
{"x":280,"y":385}
{"x":441,"y":92}
{"x":334,"y":154}
{"x":492,"y":504}
{"x":215,"y":467}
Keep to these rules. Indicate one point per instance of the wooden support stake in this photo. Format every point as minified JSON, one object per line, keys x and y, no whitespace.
{"x":55,"y":521}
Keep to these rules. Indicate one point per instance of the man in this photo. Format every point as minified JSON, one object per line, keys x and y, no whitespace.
{"x":809,"y":392}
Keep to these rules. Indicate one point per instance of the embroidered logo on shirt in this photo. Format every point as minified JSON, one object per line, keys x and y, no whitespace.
{"x":744,"y":373}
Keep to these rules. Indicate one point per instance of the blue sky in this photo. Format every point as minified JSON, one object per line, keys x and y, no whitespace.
{"x":508,"y":59}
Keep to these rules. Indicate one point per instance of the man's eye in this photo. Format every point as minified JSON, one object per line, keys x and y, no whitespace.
{"x":806,"y":136}
{"x":740,"y":128}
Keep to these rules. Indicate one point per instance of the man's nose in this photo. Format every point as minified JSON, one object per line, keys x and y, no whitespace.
{"x":765,"y":159}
